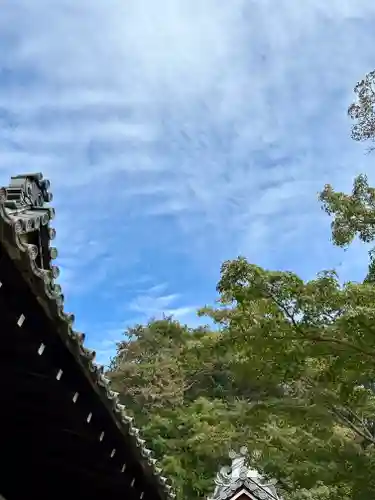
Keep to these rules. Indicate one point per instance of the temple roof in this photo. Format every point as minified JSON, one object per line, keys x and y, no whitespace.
{"x":26,"y":234}
{"x":231,"y":481}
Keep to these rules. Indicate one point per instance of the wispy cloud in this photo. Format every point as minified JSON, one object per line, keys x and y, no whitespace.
{"x":104,"y":341}
{"x":178,"y":133}
{"x":152,"y":303}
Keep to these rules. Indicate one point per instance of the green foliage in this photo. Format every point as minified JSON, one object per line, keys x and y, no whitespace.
{"x":181,"y":397}
{"x":362,"y":111}
{"x":180,"y":386}
{"x":353,"y":215}
{"x":196,"y":393}
{"x":316,"y":342}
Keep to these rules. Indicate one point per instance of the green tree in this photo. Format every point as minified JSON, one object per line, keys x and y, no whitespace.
{"x":182,"y":398}
{"x":189,"y":394}
{"x":362,"y":110}
{"x":353,"y":216}
{"x":316,"y":341}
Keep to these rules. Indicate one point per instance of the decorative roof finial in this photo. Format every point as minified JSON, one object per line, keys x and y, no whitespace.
{"x":27,"y":190}
{"x":240,"y":475}
{"x":239,"y":461}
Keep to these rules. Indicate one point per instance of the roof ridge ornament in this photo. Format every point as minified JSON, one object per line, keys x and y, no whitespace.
{"x":27,"y":191}
{"x":240,"y":475}
{"x":239,"y":461}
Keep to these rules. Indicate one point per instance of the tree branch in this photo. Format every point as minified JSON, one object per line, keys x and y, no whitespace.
{"x":350,"y":424}
{"x":333,"y":340}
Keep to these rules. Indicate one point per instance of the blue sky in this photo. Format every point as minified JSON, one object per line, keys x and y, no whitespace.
{"x":179,"y":133}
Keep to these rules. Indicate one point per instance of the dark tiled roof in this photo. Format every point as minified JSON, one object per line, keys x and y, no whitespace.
{"x":24,"y":213}
{"x":228,"y":491}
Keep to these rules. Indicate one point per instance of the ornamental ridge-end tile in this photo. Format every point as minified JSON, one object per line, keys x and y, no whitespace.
{"x":89,"y":353}
{"x":103,"y":381}
{"x":133,"y":431}
{"x":53,"y":253}
{"x":129,"y":419}
{"x":99,"y":369}
{"x":32,"y":251}
{"x":70,"y":318}
{"x":55,"y":274}
{"x":140,"y":442}
{"x":146,"y":452}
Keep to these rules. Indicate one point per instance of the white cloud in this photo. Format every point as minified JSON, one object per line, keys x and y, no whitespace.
{"x":148,"y":304}
{"x":183,"y":129}
{"x":105,"y":342}
{"x":152,"y":303}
